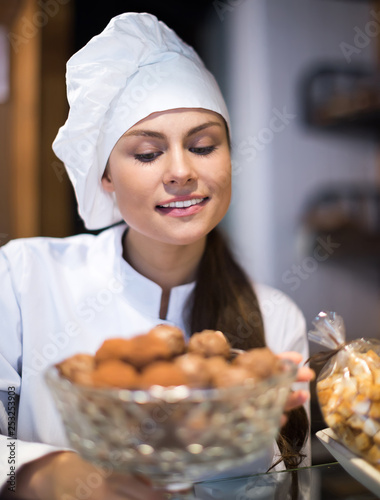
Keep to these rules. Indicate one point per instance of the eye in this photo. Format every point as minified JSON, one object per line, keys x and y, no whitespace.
{"x":147,"y":157}
{"x":203,"y":151}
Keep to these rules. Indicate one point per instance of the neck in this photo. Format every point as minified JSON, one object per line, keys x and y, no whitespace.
{"x":165,"y":264}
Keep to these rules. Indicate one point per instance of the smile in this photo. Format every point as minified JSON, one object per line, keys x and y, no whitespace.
{"x":183,"y":208}
{"x":182,"y":204}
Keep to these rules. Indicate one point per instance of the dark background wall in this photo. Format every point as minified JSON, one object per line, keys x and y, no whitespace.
{"x":186,"y":18}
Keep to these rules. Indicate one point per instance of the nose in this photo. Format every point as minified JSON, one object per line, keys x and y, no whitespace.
{"x":180,"y":170}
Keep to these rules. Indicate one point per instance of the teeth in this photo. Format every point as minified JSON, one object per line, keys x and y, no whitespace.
{"x":182,"y":204}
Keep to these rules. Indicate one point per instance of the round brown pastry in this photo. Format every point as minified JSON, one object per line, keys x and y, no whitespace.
{"x":115,"y":373}
{"x":195,"y":368}
{"x":215,"y":366}
{"x":139,"y":351}
{"x":261,"y":362}
{"x":162,"y":373}
{"x":115,"y":348}
{"x":172,"y":335}
{"x":78,"y":368}
{"x":232,"y":377}
{"x":146,"y":349}
{"x":209,"y":343}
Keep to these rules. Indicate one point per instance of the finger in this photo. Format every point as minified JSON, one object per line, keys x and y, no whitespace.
{"x":305,"y":374}
{"x":283,"y":420}
{"x":296,"y":398}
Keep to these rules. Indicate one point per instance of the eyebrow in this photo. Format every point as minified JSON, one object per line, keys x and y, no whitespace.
{"x":158,"y":135}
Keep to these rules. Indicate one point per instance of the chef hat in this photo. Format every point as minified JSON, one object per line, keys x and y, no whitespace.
{"x":135,"y":67}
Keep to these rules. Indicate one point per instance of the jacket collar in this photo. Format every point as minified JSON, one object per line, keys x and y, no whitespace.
{"x":142,"y":293}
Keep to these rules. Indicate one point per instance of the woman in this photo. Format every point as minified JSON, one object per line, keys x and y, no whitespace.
{"x":146,"y":143}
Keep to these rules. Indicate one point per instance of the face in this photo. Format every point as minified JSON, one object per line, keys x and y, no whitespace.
{"x":171,"y":175}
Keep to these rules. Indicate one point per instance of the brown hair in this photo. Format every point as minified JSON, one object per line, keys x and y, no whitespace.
{"x":224,"y":299}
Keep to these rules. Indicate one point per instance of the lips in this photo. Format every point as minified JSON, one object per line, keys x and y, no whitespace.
{"x":182,"y":203}
{"x":182,"y":207}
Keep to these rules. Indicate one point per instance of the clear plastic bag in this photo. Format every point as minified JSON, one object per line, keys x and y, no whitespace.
{"x":348,"y":386}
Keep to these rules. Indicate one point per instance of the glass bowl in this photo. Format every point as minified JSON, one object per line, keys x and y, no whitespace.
{"x":172,"y":435}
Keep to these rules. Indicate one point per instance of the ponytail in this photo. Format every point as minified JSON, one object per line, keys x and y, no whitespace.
{"x":224,"y":299}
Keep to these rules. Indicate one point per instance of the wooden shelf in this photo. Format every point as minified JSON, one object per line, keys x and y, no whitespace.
{"x":35,"y":193}
{"x":349,"y":216}
{"x":342,"y":100}
{"x":355,"y":244}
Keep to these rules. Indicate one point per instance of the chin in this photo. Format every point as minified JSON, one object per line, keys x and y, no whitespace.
{"x":182,"y":237}
{"x":186,"y":233}
{"x":183,"y":240}
{"x":190,"y":238}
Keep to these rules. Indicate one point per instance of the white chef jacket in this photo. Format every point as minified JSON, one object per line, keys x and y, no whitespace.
{"x":62,"y":296}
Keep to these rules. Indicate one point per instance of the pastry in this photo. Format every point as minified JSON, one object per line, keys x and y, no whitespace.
{"x":350,"y":401}
{"x":115,"y":373}
{"x":209,"y":343}
{"x":162,"y":373}
{"x":195,"y":368}
{"x":161,"y":357}
{"x":78,"y":368}
{"x":173,"y":336}
{"x":261,"y":362}
{"x":139,"y":351}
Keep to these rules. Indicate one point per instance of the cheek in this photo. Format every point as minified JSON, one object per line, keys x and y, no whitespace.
{"x":222,"y":179}
{"x":130,"y":184}
{"x":225,"y":183}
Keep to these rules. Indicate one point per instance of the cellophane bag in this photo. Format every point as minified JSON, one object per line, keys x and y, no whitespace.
{"x":348,"y":386}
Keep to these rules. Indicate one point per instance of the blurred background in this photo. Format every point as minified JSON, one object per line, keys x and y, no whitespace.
{"x":302,"y":82}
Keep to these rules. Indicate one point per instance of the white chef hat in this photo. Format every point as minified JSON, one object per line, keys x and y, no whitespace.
{"x":135,"y":67}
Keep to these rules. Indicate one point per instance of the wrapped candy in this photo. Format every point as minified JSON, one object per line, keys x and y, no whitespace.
{"x":348,"y":386}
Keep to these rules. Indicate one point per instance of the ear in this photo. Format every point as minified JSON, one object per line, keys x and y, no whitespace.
{"x":107,"y":182}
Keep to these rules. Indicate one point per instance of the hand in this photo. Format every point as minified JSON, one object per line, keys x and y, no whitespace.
{"x":66,"y":474}
{"x":304,"y":374}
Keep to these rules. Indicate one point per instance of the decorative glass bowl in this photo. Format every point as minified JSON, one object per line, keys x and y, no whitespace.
{"x":172,"y":435}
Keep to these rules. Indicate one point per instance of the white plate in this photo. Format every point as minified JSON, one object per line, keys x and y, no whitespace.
{"x":357,"y":467}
